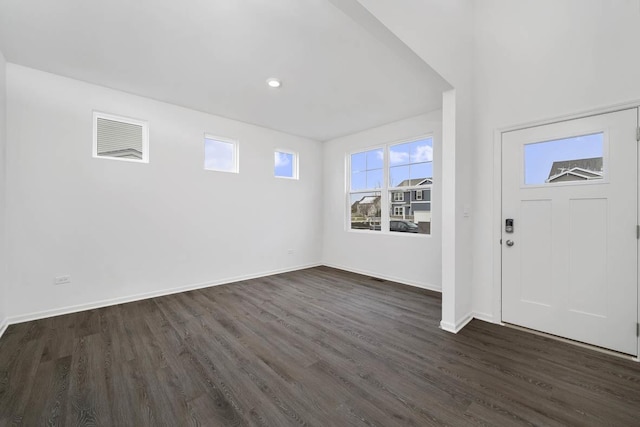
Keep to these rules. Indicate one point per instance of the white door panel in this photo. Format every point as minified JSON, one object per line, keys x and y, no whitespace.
{"x":572,"y":268}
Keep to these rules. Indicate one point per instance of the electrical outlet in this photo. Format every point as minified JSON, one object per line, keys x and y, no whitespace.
{"x":62,"y":280}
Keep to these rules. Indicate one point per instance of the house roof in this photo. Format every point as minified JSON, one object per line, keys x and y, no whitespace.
{"x":575,"y":174}
{"x":368,"y":200}
{"x":576,"y":170}
{"x":593,"y":164}
{"x":415,"y":181}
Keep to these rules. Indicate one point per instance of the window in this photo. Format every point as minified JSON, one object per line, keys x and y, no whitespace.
{"x":398,"y":196}
{"x":411,"y":168}
{"x":366,"y":172}
{"x":286,"y":165}
{"x":220,"y":154}
{"x":410,"y":163}
{"x":579,"y":158}
{"x":120,"y":138}
{"x":379,"y":179}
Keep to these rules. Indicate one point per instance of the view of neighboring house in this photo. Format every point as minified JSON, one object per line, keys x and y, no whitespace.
{"x":406,"y":202}
{"x":367,"y":207}
{"x":576,"y":170}
{"x":412,"y":204}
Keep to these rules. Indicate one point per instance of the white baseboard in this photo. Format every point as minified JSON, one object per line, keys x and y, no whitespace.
{"x":457,"y":327}
{"x":485,"y":317}
{"x":131,"y":298}
{"x":385,"y":277}
{"x":446,"y":326}
{"x":4,"y":324}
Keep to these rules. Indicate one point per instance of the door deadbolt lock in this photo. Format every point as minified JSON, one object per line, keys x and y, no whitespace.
{"x":510,"y":243}
{"x":508,"y":225}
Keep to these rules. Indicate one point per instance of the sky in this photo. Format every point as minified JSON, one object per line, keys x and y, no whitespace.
{"x":218,"y":155}
{"x":406,"y":161}
{"x":539,"y":157}
{"x":283,"y":164}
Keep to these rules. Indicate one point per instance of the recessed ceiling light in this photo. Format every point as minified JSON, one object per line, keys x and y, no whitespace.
{"x":273,"y":82}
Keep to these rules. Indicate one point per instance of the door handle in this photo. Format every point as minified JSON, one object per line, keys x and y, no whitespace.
{"x":510,"y":243}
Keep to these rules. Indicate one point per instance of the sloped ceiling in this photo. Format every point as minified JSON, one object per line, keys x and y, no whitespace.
{"x":342,"y":70}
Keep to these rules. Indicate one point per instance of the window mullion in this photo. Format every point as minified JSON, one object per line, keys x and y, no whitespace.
{"x":385,"y":202}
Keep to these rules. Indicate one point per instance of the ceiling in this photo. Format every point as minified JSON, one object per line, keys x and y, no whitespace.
{"x":342,"y":71}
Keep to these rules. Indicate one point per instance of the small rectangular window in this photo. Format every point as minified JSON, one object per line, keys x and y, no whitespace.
{"x":220,"y":154}
{"x":418,"y":194}
{"x":575,"y":159}
{"x":398,"y":196}
{"x":286,"y":165}
{"x":398,"y":210}
{"x":120,"y":138}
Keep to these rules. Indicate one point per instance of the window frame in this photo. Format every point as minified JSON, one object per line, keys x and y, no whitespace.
{"x":416,"y":195}
{"x":386,"y":200}
{"x":398,"y":199}
{"x":236,"y":152}
{"x":123,"y":119}
{"x":295,"y":167}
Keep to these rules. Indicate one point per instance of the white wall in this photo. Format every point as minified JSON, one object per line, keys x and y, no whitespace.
{"x":411,"y":259}
{"x":583,"y":56}
{"x":3,"y":254}
{"x":123,"y":229}
{"x":441,"y":33}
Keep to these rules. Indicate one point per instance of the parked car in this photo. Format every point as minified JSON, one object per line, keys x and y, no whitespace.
{"x":403,"y":226}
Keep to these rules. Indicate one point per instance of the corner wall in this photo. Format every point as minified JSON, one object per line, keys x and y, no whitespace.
{"x":127,"y":230}
{"x":441,"y":33}
{"x":4,"y":304}
{"x":410,"y":259}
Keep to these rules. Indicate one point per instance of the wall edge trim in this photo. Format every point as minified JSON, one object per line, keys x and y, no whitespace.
{"x":458,"y":326}
{"x":485,"y":317}
{"x":3,"y":326}
{"x":428,"y":287}
{"x":12,"y":320}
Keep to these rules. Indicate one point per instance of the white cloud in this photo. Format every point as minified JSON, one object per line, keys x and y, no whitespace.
{"x":422,"y":153}
{"x":282,"y":159}
{"x":398,"y":157}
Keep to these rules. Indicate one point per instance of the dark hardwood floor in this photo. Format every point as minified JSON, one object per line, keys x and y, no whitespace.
{"x":316,"y":347}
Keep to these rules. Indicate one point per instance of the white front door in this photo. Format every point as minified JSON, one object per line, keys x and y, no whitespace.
{"x":569,"y":266}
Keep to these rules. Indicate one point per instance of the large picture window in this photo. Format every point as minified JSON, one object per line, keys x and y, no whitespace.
{"x":390,"y":187}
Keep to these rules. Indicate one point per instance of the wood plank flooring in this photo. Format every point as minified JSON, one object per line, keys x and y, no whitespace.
{"x":318,"y":347}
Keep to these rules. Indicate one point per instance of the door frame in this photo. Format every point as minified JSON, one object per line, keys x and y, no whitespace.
{"x":497,"y":205}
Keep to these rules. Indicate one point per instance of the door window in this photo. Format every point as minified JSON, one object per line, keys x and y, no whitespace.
{"x":575,"y":159}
